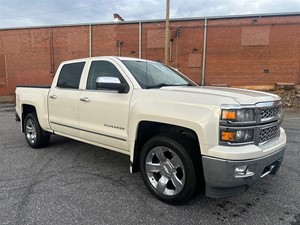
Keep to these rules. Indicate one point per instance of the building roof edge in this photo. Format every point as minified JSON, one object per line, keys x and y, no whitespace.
{"x":285,"y":14}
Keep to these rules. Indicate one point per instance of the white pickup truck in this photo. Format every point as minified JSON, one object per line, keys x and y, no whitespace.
{"x":179,"y":135}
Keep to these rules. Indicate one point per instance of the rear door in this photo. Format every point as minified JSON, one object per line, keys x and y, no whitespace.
{"x":103,"y":114}
{"x":63,"y":100}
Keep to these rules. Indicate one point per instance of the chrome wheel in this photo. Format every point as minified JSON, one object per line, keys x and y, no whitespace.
{"x":34,"y":134}
{"x":165,"y":170}
{"x":30,"y":130}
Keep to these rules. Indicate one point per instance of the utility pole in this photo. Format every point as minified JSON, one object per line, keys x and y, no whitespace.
{"x":167,"y":39}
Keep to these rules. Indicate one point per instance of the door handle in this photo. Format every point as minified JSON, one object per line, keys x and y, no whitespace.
{"x":53,"y":96}
{"x":85,"y":99}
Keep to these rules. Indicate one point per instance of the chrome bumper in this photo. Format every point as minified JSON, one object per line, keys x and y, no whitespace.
{"x":225,"y":178}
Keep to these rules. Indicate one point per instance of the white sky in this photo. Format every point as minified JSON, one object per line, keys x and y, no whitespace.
{"x":23,"y":13}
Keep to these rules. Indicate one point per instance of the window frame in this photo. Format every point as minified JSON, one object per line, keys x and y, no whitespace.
{"x":123,"y":79}
{"x":58,"y":85}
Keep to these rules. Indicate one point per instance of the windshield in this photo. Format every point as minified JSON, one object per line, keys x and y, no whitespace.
{"x":155,"y":75}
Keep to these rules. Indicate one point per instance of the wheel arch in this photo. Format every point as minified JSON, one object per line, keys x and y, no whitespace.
{"x":149,"y":129}
{"x":26,"y":109}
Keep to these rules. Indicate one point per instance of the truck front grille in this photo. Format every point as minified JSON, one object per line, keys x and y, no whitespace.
{"x":268,"y":133}
{"x":267,"y":113}
{"x":271,"y":114}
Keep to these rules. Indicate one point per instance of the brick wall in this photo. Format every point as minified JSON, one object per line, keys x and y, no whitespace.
{"x":240,"y":51}
{"x":254,"y":51}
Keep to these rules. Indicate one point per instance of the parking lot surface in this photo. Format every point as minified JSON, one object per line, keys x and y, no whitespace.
{"x":75,"y":183}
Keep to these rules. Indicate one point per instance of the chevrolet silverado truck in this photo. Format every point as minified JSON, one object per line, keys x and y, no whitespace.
{"x":181,"y":137}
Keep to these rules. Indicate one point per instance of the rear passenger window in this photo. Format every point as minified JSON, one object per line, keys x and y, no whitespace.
{"x":70,"y":75}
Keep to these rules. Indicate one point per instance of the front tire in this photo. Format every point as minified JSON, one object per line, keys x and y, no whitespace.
{"x":34,"y":134}
{"x":168,"y":170}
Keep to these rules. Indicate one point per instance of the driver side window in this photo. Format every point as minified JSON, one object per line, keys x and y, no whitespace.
{"x":100,"y":69}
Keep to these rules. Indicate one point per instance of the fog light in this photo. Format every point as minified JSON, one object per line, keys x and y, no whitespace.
{"x":242,"y":172}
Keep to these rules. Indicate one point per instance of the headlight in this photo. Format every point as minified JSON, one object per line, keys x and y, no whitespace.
{"x":238,"y":115}
{"x":237,"y":136}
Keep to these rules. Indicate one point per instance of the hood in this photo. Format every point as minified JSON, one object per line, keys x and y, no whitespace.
{"x":242,"y":96}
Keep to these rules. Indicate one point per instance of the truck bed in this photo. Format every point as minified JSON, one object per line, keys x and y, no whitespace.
{"x":37,"y":96}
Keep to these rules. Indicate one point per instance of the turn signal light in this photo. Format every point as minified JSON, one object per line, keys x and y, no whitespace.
{"x":228,"y":136}
{"x":229,"y":115}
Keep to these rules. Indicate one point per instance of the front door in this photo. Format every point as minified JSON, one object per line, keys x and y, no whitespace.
{"x":103,"y":114}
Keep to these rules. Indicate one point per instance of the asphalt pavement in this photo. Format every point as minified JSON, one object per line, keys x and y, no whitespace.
{"x":72,"y":183}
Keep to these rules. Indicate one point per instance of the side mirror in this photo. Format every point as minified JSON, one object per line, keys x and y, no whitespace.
{"x":111,"y":83}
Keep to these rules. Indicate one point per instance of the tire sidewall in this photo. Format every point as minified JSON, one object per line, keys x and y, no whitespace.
{"x":181,"y":149}
{"x":41,"y":139}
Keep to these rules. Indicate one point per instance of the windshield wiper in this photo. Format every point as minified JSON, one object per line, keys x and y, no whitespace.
{"x":163,"y":85}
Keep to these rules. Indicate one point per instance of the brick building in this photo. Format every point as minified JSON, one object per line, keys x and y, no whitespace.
{"x":250,"y":51}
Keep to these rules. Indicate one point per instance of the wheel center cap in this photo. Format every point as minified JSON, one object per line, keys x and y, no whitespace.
{"x":168,"y":167}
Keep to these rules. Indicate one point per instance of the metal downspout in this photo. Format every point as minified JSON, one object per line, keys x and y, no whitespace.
{"x":90,"y":40}
{"x":52,"y":66}
{"x":140,"y":40}
{"x":204,"y":52}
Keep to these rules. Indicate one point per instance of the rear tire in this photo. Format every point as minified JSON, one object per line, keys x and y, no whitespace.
{"x":34,"y":134}
{"x":168,"y":170}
